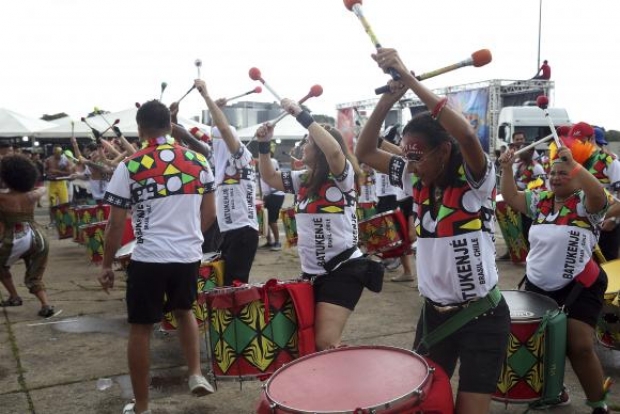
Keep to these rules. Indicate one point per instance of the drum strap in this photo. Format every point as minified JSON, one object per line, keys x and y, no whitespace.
{"x":467,"y":313}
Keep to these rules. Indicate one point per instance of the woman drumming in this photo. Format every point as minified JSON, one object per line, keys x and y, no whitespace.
{"x":562,"y":238}
{"x":21,"y":236}
{"x":326,"y":221}
{"x":453,"y":192}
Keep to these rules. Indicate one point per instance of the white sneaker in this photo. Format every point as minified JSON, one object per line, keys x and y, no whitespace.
{"x":199,"y":386}
{"x":130,"y":409}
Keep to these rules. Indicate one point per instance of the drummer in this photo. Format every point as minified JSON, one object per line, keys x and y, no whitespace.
{"x":57,"y":168}
{"x":453,"y":191}
{"x":565,"y":222}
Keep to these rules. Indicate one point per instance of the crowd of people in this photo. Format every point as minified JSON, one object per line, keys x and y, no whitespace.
{"x":433,"y":169}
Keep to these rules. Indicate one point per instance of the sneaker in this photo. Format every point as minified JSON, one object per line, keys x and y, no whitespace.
{"x":46,"y":311}
{"x":601,"y":410}
{"x":130,"y":409}
{"x":266,"y":246}
{"x":12,"y":301}
{"x":391,"y":264}
{"x":560,"y":401}
{"x":402,"y":278}
{"x":276,"y":247}
{"x":199,"y":386}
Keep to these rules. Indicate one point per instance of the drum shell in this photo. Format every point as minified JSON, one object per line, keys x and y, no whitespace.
{"x":385,"y":234}
{"x":254,"y":330}
{"x":93,"y":235}
{"x":290,"y":225}
{"x":433,"y":394}
{"x":64,"y":219}
{"x":87,"y":215}
{"x":536,"y":354}
{"x":608,"y":325}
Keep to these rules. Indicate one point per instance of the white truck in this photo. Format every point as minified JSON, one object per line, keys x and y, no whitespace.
{"x":530,"y":120}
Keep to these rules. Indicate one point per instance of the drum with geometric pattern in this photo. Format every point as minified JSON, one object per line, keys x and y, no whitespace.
{"x":87,"y":215}
{"x":93,"y":235}
{"x":256,"y":329}
{"x":210,"y":276}
{"x":63,"y":217}
{"x":385,"y":234}
{"x":290,"y":225}
{"x":534,"y":365}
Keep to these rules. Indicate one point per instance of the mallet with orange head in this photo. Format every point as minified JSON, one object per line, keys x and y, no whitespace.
{"x":256,"y":75}
{"x":315,"y":90}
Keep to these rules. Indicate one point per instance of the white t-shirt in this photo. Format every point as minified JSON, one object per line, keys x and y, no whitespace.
{"x":236,"y":187}
{"x":264,"y":187}
{"x":326,"y":222}
{"x":367,"y":189}
{"x":163,"y":186}
{"x":382,"y":185}
{"x":561,"y":243}
{"x":456,"y":249}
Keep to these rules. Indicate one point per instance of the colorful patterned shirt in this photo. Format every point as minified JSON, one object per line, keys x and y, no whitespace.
{"x":605,"y":168}
{"x":456,"y":247}
{"x":163,"y":185}
{"x":561,"y":243}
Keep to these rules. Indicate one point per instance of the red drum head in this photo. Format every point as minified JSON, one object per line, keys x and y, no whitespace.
{"x":344,"y":379}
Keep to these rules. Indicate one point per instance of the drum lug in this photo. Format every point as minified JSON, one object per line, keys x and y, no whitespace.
{"x":273,"y":407}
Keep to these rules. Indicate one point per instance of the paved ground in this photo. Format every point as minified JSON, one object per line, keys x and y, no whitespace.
{"x":54,"y":366}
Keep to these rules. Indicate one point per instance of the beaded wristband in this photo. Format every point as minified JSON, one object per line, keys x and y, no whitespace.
{"x":305,"y":119}
{"x":264,"y":147}
{"x":438,"y":108}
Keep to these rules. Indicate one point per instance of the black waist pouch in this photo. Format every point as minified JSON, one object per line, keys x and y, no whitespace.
{"x":368,"y":272}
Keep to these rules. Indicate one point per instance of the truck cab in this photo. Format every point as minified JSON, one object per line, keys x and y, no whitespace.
{"x":529,"y":120}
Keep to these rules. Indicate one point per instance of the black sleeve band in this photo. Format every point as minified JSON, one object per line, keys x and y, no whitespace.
{"x":305,"y":119}
{"x":264,"y":147}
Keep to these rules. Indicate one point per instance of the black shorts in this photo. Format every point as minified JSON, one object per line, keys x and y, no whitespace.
{"x":238,"y":249}
{"x":386,"y":203}
{"x":147,"y":283}
{"x":406,"y":205}
{"x":480,"y":344}
{"x":588,"y":304}
{"x":338,"y":288}
{"x":273,"y":204}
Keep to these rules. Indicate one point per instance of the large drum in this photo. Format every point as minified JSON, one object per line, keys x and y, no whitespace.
{"x":210,"y":276}
{"x":63,"y":217}
{"x":123,"y":255}
{"x":364,"y":211}
{"x":534,"y":366}
{"x":87,"y":215}
{"x":358,"y":379}
{"x":290,"y":225}
{"x":385,"y":234}
{"x":256,"y":329}
{"x":511,"y":227}
{"x":93,"y":235}
{"x":608,"y":326}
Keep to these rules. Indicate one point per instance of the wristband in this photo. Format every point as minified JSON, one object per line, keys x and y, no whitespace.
{"x":305,"y":119}
{"x":264,"y":147}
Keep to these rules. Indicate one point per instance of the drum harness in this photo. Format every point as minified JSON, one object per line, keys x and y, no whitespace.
{"x":466,"y":312}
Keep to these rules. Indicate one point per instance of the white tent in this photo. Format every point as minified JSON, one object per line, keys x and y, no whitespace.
{"x":13,"y":124}
{"x":126,"y":123}
{"x":287,"y":129}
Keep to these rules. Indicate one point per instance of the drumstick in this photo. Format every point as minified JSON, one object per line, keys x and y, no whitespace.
{"x":356,"y":7}
{"x":533,"y":144}
{"x":543,"y":102}
{"x":187,"y":93}
{"x":256,"y":75}
{"x":315,"y":90}
{"x":258,"y":89}
{"x":100,"y":113}
{"x":477,"y":59}
{"x":164,"y":85}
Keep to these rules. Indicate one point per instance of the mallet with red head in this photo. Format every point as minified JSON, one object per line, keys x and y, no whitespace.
{"x":164,"y":85}
{"x":258,"y":89}
{"x":315,"y":90}
{"x":543,"y":103}
{"x":356,"y":7}
{"x":256,"y":75}
{"x":478,"y":58}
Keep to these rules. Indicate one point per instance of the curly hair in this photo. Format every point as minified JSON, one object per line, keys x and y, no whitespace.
{"x":153,"y":118}
{"x":319,"y":172}
{"x":18,"y":173}
{"x":433,"y":134}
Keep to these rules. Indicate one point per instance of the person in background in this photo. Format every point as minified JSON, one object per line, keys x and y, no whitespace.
{"x":453,"y":200}
{"x":22,"y":237}
{"x":236,"y":189}
{"x":273,"y":200}
{"x":565,"y":226}
{"x":544,"y":72}
{"x":58,"y":168}
{"x":167,"y":255}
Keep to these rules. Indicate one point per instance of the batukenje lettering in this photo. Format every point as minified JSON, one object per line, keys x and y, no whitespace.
{"x":571,"y":254}
{"x":140,"y":213}
{"x":249,"y":198}
{"x":464,"y":268}
{"x":229,"y":204}
{"x":319,"y":240}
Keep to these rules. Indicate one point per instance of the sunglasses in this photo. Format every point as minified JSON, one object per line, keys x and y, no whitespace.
{"x":416,"y":157}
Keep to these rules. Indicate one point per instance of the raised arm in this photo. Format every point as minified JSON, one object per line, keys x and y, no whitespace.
{"x":514,"y":198}
{"x":273,"y":178}
{"x":451,"y":120}
{"x":219,"y":119}
{"x":369,"y":149}
{"x":595,"y":197}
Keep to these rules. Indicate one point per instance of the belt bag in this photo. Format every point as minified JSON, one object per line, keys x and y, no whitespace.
{"x":368,"y":272}
{"x":467,"y":313}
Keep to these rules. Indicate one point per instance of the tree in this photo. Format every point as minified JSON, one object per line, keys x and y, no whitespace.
{"x":612,"y":135}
